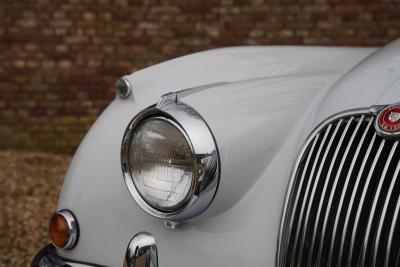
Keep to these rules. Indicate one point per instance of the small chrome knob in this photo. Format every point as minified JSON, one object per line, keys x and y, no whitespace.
{"x":123,"y":87}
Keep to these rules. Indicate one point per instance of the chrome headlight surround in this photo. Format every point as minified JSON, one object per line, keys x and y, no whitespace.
{"x":203,"y":146}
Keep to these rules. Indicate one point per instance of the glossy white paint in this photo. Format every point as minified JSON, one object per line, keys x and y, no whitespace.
{"x":260,"y":120}
{"x":373,"y":82}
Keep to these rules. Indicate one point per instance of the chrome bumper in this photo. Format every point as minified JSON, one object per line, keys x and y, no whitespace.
{"x":47,"y":257}
{"x":141,"y":252}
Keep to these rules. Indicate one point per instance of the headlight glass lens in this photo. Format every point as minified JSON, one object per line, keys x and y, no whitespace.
{"x":162,"y":164}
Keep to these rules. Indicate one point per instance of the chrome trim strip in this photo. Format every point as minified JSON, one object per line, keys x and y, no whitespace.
{"x":344,"y":191}
{"x":193,"y":90}
{"x":393,"y":223}
{"x":177,"y":95}
{"x":306,"y":193}
{"x":204,"y":147}
{"x":328,"y":177}
{"x":384,"y":211}
{"x":141,"y":251}
{"x":362,"y":199}
{"x":167,"y":99}
{"x":374,"y":203}
{"x":314,"y":188}
{"x":353,"y":195}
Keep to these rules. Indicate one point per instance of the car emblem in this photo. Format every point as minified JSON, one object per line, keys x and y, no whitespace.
{"x":388,"y":121}
{"x":394,"y":116}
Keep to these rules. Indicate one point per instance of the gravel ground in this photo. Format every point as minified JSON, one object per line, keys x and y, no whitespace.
{"x":29,"y":186}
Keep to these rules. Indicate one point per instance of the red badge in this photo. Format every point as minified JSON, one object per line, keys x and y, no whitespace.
{"x":388,"y":121}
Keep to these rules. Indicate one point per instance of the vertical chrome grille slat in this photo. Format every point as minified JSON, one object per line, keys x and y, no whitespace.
{"x":311,"y":199}
{"x":335,"y":181}
{"x":343,"y":201}
{"x":374,"y":204}
{"x":360,"y":206}
{"x":384,"y":211}
{"x":306,"y":192}
{"x":355,"y":157}
{"x":331,"y":165}
{"x":393,"y":223}
{"x":310,"y":153}
{"x":351,"y":203}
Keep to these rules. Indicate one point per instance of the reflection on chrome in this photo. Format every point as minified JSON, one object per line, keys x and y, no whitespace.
{"x":174,"y":177}
{"x":162,"y":164}
{"x":141,"y":251}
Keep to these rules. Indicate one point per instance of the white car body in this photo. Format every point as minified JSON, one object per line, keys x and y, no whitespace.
{"x":272,"y":99}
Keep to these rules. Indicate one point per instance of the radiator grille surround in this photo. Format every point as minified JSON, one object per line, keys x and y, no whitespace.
{"x":343,"y":201}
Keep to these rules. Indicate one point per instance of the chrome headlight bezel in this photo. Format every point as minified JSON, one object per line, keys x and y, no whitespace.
{"x":203,"y":146}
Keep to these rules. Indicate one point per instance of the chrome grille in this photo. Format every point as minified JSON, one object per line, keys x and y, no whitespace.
{"x":344,"y":198}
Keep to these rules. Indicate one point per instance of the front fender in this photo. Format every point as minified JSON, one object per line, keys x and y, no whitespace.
{"x":259,"y":119}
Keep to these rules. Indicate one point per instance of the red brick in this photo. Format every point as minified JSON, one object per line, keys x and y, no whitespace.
{"x":60,"y":60}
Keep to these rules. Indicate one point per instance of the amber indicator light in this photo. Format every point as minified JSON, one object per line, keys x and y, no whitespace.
{"x":59,"y":231}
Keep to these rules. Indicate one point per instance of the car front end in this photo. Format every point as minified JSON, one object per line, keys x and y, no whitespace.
{"x":239,"y":157}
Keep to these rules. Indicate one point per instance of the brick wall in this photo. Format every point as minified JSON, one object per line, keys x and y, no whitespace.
{"x":60,"y":59}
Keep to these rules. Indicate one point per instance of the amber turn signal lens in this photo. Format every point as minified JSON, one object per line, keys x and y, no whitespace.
{"x":59,"y":230}
{"x":63,"y":229}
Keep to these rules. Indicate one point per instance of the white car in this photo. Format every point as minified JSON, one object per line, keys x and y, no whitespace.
{"x":247,"y":156}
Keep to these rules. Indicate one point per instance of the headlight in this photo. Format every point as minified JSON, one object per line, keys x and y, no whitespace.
{"x":170,"y":161}
{"x":162,"y":164}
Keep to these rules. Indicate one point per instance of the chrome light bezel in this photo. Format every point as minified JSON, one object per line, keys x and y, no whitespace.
{"x":203,"y":146}
{"x":73,"y":229}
